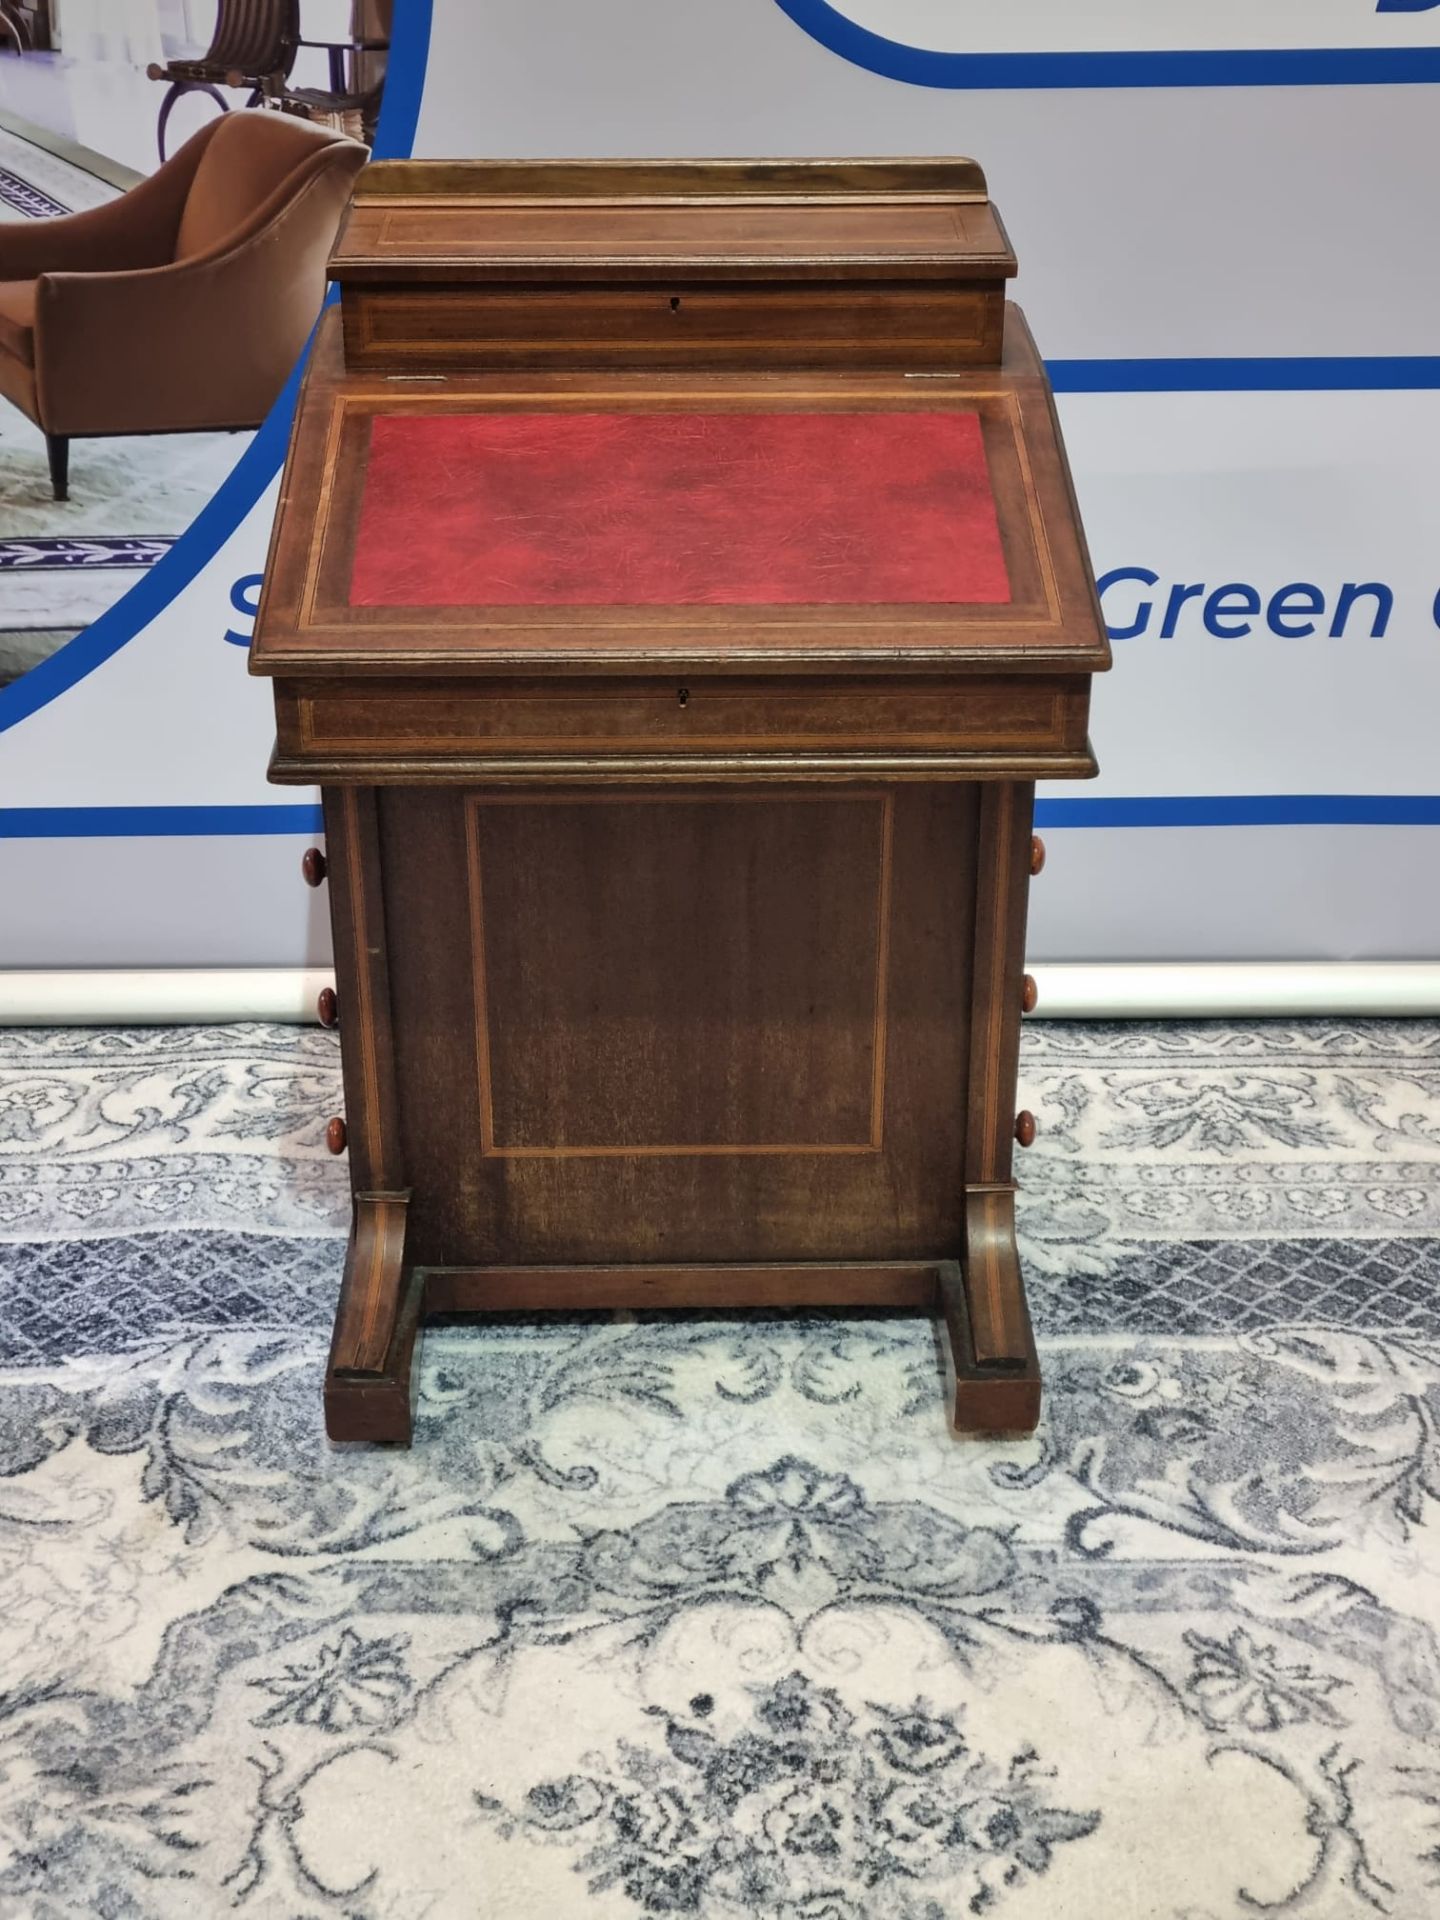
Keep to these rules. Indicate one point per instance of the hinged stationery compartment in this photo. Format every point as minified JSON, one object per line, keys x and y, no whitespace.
{"x":497,"y":265}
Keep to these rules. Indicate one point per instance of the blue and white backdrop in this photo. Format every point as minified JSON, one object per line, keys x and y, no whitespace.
{"x":1225,"y":216}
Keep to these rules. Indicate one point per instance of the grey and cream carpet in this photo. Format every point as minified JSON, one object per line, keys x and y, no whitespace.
{"x":715,"y":1617}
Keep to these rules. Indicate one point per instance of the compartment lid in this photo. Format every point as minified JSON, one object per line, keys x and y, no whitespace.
{"x":460,"y":222}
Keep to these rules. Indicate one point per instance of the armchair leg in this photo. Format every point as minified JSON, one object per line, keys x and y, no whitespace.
{"x":57,"y":445}
{"x":14,"y":24}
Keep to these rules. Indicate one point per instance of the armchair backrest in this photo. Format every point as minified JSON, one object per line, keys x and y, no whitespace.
{"x":254,"y":37}
{"x":249,"y":161}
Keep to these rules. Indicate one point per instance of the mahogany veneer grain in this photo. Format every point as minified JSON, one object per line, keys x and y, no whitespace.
{"x":680,"y":947}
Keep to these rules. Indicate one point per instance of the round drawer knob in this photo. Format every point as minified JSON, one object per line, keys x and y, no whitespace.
{"x":1025,"y":1129}
{"x":1029,"y":996}
{"x":336,"y":1136}
{"x":312,"y":865}
{"x":1037,"y":854}
{"x":327,"y":1008}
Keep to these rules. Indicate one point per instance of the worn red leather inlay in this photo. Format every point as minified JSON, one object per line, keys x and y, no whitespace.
{"x":677,"y":509}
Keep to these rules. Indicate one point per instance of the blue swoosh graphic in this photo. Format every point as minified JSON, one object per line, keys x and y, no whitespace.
{"x":1176,"y":810}
{"x":254,"y":471}
{"x":1259,"y":67}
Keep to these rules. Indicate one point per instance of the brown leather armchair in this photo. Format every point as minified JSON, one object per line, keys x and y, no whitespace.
{"x":182,"y":306}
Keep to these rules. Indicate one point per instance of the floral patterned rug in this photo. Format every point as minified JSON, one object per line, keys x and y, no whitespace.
{"x":716,"y":1617}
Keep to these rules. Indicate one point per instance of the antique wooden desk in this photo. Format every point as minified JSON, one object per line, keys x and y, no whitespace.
{"x":676,"y":590}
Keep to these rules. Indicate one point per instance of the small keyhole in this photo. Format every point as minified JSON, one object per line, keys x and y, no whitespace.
{"x":674,"y":303}
{"x":684,"y":696}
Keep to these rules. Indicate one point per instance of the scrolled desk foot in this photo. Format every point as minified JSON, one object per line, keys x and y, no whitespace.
{"x":373,"y":1407}
{"x":367,"y":1380}
{"x":991,"y":1399}
{"x":987,"y":1402}
{"x":1001,"y":1394}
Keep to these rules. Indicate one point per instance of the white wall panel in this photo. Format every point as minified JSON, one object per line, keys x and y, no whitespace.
{"x":1189,"y":250}
{"x":1169,"y":222}
{"x":1243,"y":496}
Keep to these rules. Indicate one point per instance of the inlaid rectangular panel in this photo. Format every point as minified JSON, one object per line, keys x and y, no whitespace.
{"x":555,"y":234}
{"x":671,"y":1047}
{"x":678,"y":509}
{"x":680,"y":976}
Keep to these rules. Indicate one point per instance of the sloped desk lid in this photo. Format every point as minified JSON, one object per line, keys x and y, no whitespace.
{"x":800,"y":522}
{"x":459,"y":222}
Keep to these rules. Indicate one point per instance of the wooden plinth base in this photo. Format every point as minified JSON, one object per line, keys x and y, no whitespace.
{"x":993,"y":1399}
{"x":368,"y":1391}
{"x":378,"y":1404}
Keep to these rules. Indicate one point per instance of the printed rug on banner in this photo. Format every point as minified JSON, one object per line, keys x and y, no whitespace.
{"x":714,"y":1616}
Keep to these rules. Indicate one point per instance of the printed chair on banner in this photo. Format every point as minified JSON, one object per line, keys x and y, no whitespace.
{"x":352,"y":98}
{"x":14,"y":28}
{"x":253,"y":46}
{"x":182,"y":306}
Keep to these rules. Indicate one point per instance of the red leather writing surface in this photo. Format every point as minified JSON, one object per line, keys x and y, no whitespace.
{"x":677,"y":509}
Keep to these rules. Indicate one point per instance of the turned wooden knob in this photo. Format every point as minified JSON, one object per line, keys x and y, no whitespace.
{"x":327,"y":1008}
{"x":1024,"y":1128}
{"x":1029,"y":996}
{"x":335,"y":1135}
{"x":312,"y":865}
{"x":1037,"y":854}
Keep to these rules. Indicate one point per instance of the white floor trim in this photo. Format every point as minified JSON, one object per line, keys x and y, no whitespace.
{"x":200,"y":995}
{"x":168,"y":996}
{"x":1236,"y":988}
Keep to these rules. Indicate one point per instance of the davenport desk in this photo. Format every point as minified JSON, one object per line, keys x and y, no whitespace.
{"x":676,"y":590}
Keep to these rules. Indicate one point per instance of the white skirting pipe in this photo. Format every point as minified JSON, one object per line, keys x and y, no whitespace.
{"x":159,"y":996}
{"x":1237,"y":989}
{"x":1283,"y":989}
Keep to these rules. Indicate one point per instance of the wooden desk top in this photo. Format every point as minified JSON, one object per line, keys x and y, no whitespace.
{"x":788,"y":522}
{"x":455,"y":222}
